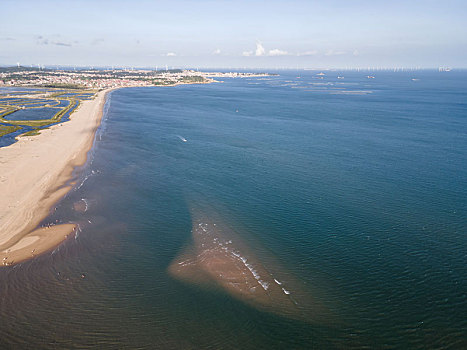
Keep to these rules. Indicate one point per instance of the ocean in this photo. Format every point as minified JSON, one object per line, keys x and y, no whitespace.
{"x":294,"y":211}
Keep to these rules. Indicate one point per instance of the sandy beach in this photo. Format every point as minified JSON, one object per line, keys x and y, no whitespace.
{"x":34,"y":175}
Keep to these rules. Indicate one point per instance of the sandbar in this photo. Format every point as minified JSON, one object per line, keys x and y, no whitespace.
{"x":218,"y":258}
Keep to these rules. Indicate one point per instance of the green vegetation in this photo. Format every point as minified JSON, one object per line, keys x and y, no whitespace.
{"x":63,"y":86}
{"x":12,"y":103}
{"x":8,"y":129}
{"x":161,"y":82}
{"x":8,"y":110}
{"x":34,"y":132}
{"x":37,"y":123}
{"x":193,"y":79}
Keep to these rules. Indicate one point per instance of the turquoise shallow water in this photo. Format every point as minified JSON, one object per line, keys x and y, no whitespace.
{"x":351,"y":192}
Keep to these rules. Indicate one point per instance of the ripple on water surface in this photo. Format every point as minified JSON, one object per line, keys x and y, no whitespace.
{"x":346,"y":201}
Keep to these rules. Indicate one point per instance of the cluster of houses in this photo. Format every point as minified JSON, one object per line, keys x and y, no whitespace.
{"x":103,"y":79}
{"x":88,"y":80}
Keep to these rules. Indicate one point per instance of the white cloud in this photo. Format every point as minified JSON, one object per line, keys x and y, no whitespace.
{"x":171,"y":54}
{"x":59,"y":43}
{"x":308,"y":53}
{"x":277,"y":52}
{"x":334,"y":53}
{"x":217,"y":52}
{"x":45,"y":41}
{"x":260,"y":51}
{"x":355,"y":52}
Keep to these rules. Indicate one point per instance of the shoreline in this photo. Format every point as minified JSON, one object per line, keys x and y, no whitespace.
{"x":35,"y":174}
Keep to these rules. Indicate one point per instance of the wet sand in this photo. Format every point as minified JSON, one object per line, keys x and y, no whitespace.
{"x":34,"y":175}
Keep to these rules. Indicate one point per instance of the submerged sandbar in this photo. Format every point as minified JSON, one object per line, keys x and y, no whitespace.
{"x":218,"y":258}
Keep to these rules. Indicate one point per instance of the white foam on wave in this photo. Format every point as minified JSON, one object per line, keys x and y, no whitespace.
{"x":203,"y":227}
{"x":250,"y":267}
{"x":77,"y":231}
{"x":93,"y":172}
{"x":283,"y":289}
{"x":223,"y":245}
{"x":352,"y":92}
{"x":263,"y":284}
{"x":105,"y":116}
{"x":82,"y":182}
{"x":86,"y":204}
{"x":244,"y":260}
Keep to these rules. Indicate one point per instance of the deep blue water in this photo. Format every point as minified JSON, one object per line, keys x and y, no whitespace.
{"x":352,"y":190}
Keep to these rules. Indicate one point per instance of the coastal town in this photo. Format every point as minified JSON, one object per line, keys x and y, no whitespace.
{"x":50,"y":96}
{"x":106,"y":79}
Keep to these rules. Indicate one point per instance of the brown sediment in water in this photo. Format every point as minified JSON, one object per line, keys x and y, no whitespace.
{"x":80,"y":206}
{"x":218,"y":257}
{"x":34,"y":175}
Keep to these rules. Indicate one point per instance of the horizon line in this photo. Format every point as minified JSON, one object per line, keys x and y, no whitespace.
{"x":166,"y":67}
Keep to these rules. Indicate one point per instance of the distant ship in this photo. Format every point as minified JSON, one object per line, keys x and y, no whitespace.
{"x":340,"y":77}
{"x":321,"y":73}
{"x":370,"y":77}
{"x":444,"y":69}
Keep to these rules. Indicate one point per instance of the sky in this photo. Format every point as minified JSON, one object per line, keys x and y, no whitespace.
{"x":241,"y":34}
